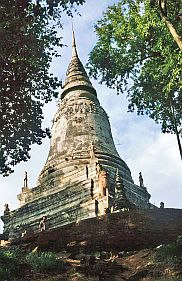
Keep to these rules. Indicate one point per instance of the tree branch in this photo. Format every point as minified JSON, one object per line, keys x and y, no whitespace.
{"x":163,"y":13}
{"x":152,"y":55}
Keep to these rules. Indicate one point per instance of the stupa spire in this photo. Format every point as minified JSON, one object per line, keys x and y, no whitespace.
{"x":76,"y":76}
{"x":74,"y":50}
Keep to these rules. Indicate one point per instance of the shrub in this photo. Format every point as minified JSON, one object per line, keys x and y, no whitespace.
{"x":9,"y":260}
{"x":171,"y":253}
{"x":44,"y":262}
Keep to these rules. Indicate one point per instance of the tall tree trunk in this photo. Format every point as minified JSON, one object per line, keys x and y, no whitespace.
{"x":176,"y":131}
{"x":163,"y":13}
{"x":179,"y":143}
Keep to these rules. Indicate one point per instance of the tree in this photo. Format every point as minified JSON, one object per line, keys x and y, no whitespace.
{"x":135,"y":53}
{"x":163,"y":10}
{"x":28,"y":40}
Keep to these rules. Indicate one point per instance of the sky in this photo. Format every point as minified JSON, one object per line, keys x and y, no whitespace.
{"x":138,"y":139}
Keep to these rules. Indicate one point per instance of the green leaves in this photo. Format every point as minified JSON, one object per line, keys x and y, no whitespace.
{"x":44,"y":262}
{"x":137,"y":54}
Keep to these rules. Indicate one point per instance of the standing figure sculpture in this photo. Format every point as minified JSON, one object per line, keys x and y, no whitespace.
{"x":98,"y":168}
{"x":25,"y":185}
{"x":141,"y":180}
{"x":42,"y":225}
{"x":6,"y":209}
{"x":92,"y":150}
{"x":161,"y":205}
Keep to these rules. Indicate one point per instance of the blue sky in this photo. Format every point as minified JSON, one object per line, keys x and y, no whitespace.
{"x":138,"y":139}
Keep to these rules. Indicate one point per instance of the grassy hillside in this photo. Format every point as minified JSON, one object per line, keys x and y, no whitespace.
{"x":163,"y":263}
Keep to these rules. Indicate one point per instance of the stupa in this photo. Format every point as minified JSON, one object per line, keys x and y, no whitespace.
{"x":84,"y":176}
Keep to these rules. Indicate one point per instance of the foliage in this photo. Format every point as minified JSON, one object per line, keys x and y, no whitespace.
{"x":44,"y":262}
{"x":9,"y":262}
{"x":135,"y":53}
{"x":171,"y":253}
{"x":28,"y":32}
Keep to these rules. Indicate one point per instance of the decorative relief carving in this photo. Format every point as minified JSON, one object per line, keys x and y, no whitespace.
{"x":78,"y":119}
{"x":78,"y":107}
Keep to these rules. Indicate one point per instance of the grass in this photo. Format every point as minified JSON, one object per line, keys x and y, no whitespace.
{"x":11,"y":262}
{"x":45,"y":262}
{"x":170,"y":254}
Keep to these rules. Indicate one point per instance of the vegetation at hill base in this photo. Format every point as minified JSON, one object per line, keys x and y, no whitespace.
{"x":161,"y":263}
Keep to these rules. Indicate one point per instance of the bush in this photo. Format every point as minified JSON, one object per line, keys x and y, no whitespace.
{"x":9,"y":260}
{"x":171,"y":253}
{"x":44,"y":262}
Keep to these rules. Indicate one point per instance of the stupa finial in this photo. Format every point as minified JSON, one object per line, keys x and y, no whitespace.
{"x":76,"y":69}
{"x":74,"y":51}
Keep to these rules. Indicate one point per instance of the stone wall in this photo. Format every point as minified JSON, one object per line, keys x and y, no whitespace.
{"x":67,"y":199}
{"x":125,"y":231}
